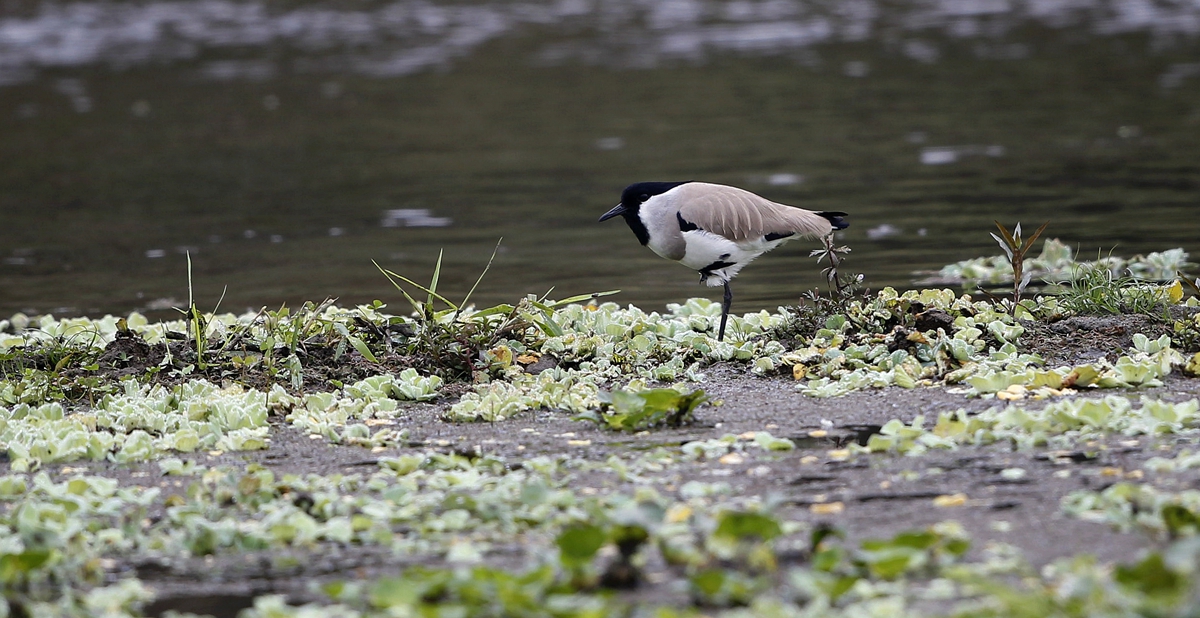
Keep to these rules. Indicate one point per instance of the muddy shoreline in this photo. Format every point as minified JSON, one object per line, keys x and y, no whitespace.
{"x":880,"y":494}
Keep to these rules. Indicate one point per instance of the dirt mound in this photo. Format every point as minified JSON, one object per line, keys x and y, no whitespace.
{"x":1083,"y":339}
{"x":128,"y":354}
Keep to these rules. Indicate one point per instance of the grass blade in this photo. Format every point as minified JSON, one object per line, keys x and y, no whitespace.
{"x":432,"y":293}
{"x":387,"y":273}
{"x":437,"y":271}
{"x":191,"y":302}
{"x":580,"y":298}
{"x":485,"y":271}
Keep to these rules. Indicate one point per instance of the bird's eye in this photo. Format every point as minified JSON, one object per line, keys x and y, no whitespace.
{"x":643,"y":197}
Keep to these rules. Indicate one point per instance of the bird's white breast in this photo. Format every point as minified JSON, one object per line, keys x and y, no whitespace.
{"x":658,"y":214}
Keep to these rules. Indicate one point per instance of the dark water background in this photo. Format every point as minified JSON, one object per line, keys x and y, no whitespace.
{"x":274,"y":141}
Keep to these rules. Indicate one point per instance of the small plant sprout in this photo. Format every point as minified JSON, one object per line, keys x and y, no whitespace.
{"x":815,"y":308}
{"x":831,"y":253}
{"x":1015,"y":247}
{"x":197,"y":323}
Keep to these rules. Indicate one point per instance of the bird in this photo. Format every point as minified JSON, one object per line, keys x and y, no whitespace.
{"x":715,"y":229}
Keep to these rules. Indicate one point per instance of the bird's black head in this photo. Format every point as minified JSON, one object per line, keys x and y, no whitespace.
{"x":635,"y":194}
{"x":632,"y":199}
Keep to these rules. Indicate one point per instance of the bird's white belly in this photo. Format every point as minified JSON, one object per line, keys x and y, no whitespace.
{"x":719,"y":259}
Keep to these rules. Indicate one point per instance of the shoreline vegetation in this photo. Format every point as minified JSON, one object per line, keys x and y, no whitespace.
{"x":859,"y":454}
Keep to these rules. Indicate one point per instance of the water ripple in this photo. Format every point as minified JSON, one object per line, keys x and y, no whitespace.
{"x":413,"y":35}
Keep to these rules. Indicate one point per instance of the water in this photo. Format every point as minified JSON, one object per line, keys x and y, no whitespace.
{"x":286,"y":145}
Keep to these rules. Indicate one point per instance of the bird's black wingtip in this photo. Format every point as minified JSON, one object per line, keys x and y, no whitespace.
{"x":836,"y":219}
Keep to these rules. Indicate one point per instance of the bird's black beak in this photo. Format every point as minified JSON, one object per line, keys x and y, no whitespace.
{"x":619,"y":209}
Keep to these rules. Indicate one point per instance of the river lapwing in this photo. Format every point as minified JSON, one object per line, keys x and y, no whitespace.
{"x":715,"y":229}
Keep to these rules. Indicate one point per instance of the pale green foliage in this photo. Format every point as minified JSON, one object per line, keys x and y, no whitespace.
{"x":332,"y":415}
{"x":836,"y":363}
{"x":730,"y":443}
{"x":142,"y":423}
{"x":53,"y":532}
{"x":1147,"y":362}
{"x":606,"y":343}
{"x":1056,"y":263}
{"x":1186,"y":460}
{"x":568,"y":390}
{"x":613,"y":342}
{"x":1062,"y":423}
{"x":1128,"y":506}
{"x":431,"y":506}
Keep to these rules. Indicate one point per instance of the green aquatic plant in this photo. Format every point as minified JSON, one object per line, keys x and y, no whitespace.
{"x":1127,"y":506}
{"x":347,"y":417}
{"x":142,"y":423}
{"x":910,"y":339}
{"x":1064,"y":423}
{"x":645,"y":409}
{"x":53,"y":537}
{"x":38,"y":351}
{"x":1057,"y":263}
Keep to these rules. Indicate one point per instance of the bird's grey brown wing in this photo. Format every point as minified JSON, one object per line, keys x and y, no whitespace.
{"x":739,"y":215}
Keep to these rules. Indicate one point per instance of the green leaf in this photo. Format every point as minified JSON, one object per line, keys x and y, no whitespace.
{"x":915,"y":540}
{"x":1151,"y":577}
{"x":709,"y":582}
{"x":362,"y":348}
{"x":889,"y":563}
{"x":578,"y":544}
{"x":1026,"y":245}
{"x":15,"y":567}
{"x":635,"y":411}
{"x":549,"y":328}
{"x":1179,"y":518}
{"x":490,"y":311}
{"x":739,"y":525}
{"x":841,"y":586}
{"x":395,"y":592}
{"x":828,"y":559}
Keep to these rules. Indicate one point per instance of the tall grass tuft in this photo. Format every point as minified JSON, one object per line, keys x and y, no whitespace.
{"x":1096,"y":290}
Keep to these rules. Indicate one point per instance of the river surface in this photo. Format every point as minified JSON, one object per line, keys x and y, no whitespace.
{"x":286,"y":145}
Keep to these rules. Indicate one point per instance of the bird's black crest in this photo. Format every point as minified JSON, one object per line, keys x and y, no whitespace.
{"x":836,"y":220}
{"x":638,"y":192}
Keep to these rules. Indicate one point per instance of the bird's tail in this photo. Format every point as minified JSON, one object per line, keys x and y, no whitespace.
{"x":836,"y":219}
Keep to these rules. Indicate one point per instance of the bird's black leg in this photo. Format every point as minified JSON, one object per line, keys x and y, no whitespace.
{"x":725,"y":311}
